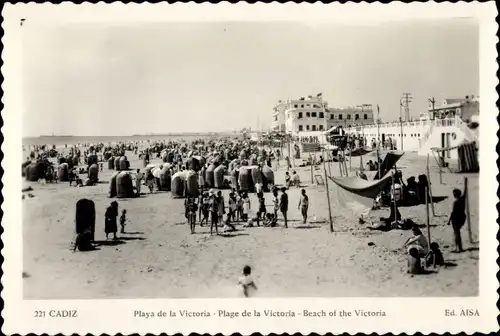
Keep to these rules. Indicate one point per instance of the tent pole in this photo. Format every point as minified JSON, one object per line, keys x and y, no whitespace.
{"x":430,"y":186}
{"x":427,"y":218}
{"x":345,"y":163}
{"x":467,"y":210}
{"x":340,"y":163}
{"x":328,"y":197}
{"x":311,"y":162}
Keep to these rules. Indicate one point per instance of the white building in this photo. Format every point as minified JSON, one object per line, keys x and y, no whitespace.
{"x":444,"y":125}
{"x":308,"y":118}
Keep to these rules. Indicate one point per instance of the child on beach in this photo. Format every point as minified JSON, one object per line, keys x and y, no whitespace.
{"x":247,"y":282}
{"x":434,"y":257}
{"x":261,"y":213}
{"x":123,"y":220}
{"x":239,"y":207}
{"x":414,"y":265}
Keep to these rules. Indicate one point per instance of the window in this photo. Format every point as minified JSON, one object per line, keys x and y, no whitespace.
{"x":313,"y":127}
{"x":300,"y":115}
{"x":301,"y":128}
{"x":331,"y":116}
{"x":308,"y":114}
{"x":321,"y":115}
{"x":295,"y":105}
{"x":313,"y":114}
{"x":321,"y":127}
{"x":356,"y":117}
{"x":340,"y":116}
{"x":365,"y":116}
{"x":348,"y":117}
{"x":307,"y":127}
{"x":308,"y":105}
{"x":302,"y":106}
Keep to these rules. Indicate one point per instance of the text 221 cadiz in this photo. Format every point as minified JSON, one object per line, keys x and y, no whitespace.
{"x":257,"y":313}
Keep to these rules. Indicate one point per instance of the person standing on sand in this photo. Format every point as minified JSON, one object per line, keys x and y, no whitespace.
{"x":138,"y":179}
{"x":284,"y":205}
{"x":458,"y":217}
{"x":220,"y":207}
{"x":110,"y":219}
{"x":276,"y":203}
{"x":304,"y":205}
{"x":213,"y":212}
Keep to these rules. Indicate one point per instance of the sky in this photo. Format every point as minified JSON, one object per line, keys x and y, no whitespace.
{"x":137,"y":78}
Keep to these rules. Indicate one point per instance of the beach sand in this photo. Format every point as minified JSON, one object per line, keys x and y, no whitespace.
{"x":159,"y":258}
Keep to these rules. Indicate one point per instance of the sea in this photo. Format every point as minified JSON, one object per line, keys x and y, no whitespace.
{"x":61,"y":140}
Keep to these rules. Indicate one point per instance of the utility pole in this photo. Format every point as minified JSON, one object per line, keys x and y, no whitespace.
{"x":433,"y":102}
{"x":378,"y":141}
{"x":407,"y":98}
{"x":401,"y":121}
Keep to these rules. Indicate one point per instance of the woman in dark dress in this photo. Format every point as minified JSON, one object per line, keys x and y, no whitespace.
{"x":110,"y":225}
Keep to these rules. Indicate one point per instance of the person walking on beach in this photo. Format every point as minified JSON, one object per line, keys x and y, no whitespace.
{"x":304,"y":205}
{"x":284,"y":205}
{"x":276,"y":203}
{"x":110,"y":219}
{"x":150,"y":181}
{"x":213,"y":206}
{"x":458,"y":217}
{"x":123,"y":220}
{"x":138,"y":179}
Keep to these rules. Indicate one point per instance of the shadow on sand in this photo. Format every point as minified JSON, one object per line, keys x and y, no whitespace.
{"x":232,"y":234}
{"x":109,"y":242}
{"x":307,"y":227}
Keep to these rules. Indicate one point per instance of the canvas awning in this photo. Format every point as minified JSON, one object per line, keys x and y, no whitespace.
{"x":390,"y":159}
{"x":335,"y":130}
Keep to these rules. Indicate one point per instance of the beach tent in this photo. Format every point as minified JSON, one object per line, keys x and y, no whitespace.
{"x":85,"y":217}
{"x":201,"y":160}
{"x":390,"y":159}
{"x":193,"y":164}
{"x":233,"y":164}
{"x":111,"y":163}
{"x":192,"y":184}
{"x":165,"y":178}
{"x":93,"y":173}
{"x":356,"y":195}
{"x":117,"y":163}
{"x":63,"y":172}
{"x":219,"y":176}
{"x":124,"y":163}
{"x":124,"y":186}
{"x":245,"y":178}
{"x":177,"y":184}
{"x":112,"y":185}
{"x":209,"y":176}
{"x":468,"y":161}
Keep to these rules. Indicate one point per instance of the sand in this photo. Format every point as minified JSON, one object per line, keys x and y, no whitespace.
{"x":159,"y":258}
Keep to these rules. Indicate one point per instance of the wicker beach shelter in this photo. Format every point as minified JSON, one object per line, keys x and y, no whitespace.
{"x":165,"y":178}
{"x":124,"y":186}
{"x":85,"y":217}
{"x":256,"y":174}
{"x":111,"y":163}
{"x":112,"y":185}
{"x":117,"y":163}
{"x":192,"y":188}
{"x":268,"y":175}
{"x":178,"y":184}
{"x":245,"y":179}
{"x":93,"y":174}
{"x":209,"y":176}
{"x":63,"y":172}
{"x":124,"y":163}
{"x":219,"y":176}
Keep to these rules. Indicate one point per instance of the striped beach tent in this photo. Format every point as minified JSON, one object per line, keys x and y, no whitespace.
{"x":467,"y":156}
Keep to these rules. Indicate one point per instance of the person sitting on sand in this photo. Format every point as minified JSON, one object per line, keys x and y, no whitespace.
{"x":271,"y":220}
{"x":288,"y":180}
{"x":295,"y":179}
{"x":83,"y":241}
{"x":418,"y":241}
{"x":247,"y":282}
{"x":228,"y":227}
{"x":110,"y":219}
{"x":123,"y":220}
{"x":414,"y":264}
{"x":434,"y":257}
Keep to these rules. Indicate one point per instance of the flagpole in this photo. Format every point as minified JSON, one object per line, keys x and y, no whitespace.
{"x":378,"y":141}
